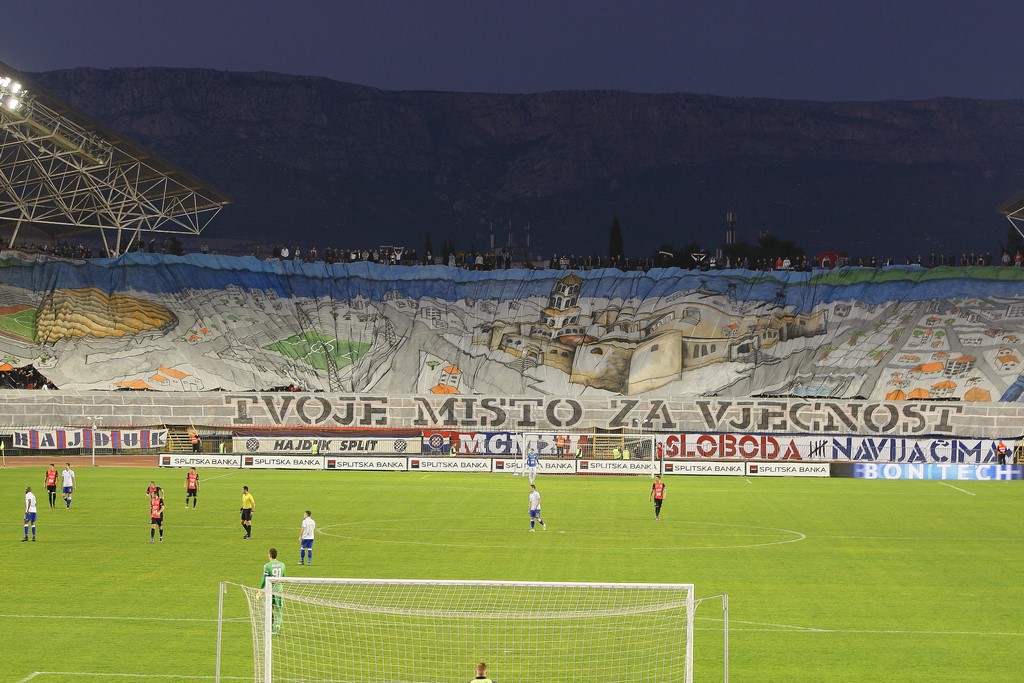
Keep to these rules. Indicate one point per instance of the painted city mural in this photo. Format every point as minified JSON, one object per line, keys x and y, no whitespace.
{"x":207,"y":322}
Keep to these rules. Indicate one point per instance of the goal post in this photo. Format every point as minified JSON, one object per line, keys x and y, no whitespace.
{"x":413,"y":631}
{"x":589,"y":446}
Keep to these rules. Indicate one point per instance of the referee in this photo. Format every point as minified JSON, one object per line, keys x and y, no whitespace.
{"x":248,"y":506}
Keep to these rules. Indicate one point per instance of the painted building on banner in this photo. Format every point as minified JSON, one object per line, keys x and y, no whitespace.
{"x":632,"y":348}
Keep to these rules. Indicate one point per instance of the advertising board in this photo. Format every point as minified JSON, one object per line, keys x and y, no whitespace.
{"x":381,"y":463}
{"x":198,"y":460}
{"x":788,"y":469}
{"x":618,"y":467}
{"x":727,"y":469}
{"x":938,"y":472}
{"x":280,"y":461}
{"x":449,"y":464}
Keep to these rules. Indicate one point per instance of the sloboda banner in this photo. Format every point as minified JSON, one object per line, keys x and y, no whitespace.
{"x":829,"y":448}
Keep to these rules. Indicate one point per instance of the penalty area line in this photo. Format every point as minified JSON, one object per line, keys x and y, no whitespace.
{"x":958,"y":488}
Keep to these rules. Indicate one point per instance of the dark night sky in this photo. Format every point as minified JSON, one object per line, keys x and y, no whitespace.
{"x":802,"y":49}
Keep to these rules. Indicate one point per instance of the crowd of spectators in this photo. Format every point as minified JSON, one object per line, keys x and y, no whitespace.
{"x":500,"y":259}
{"x":23,"y":378}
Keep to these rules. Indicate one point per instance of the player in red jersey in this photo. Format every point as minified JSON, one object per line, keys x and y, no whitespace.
{"x":50,"y":480}
{"x":156,"y":515}
{"x":191,"y":487}
{"x":151,"y":489}
{"x":658,"y":495}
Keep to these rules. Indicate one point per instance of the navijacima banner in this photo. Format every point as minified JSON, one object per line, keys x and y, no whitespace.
{"x":768,"y":447}
{"x":117,"y":439}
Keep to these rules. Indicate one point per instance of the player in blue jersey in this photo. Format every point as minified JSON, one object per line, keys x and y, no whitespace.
{"x":535,"y":509}
{"x":30,"y":513}
{"x":67,"y":484}
{"x":532,"y":460}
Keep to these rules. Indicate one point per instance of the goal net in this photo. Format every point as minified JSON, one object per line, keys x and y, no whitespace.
{"x":623,"y":447}
{"x":407,"y":631}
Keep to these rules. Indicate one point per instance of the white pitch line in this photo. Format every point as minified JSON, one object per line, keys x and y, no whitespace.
{"x":120,"y":619}
{"x":112,"y":675}
{"x":226,"y":474}
{"x":790,"y":628}
{"x":957,"y":488}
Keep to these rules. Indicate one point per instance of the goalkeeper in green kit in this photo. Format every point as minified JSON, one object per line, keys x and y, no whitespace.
{"x":481,"y":674}
{"x":274,"y":568}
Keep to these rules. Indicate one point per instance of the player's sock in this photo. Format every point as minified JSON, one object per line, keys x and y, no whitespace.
{"x":532,"y":524}
{"x":33,"y":532}
{"x":26,"y":532}
{"x":310,"y":558}
{"x":151,"y":534}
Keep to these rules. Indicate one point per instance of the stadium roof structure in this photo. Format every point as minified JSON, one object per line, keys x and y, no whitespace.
{"x":63,"y":174}
{"x":1014,"y":212}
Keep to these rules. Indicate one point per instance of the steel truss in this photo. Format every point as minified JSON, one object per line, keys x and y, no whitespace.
{"x":64,"y":174}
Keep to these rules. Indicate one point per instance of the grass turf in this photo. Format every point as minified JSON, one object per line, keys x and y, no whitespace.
{"x":829,"y":580}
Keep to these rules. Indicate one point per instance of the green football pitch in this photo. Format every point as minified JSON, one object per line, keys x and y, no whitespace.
{"x":828,"y":580}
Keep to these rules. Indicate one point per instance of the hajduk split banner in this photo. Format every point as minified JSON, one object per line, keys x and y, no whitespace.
{"x":116,"y":439}
{"x":382,"y":444}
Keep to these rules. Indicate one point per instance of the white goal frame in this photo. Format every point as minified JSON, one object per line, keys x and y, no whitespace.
{"x":585,"y":446}
{"x":655,"y":606}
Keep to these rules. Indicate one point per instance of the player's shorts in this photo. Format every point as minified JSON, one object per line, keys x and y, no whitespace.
{"x":306,"y":543}
{"x":52,"y":489}
{"x":247,"y":515}
{"x":30,"y":517}
{"x":191,"y":493}
{"x":535,"y":513}
{"x":159,"y":521}
{"x":67,"y":489}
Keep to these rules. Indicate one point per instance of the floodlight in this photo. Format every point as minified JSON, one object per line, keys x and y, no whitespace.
{"x":13,"y":103}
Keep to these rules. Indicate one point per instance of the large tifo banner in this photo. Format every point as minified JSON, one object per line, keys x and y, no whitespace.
{"x":118,"y":439}
{"x":768,"y":447}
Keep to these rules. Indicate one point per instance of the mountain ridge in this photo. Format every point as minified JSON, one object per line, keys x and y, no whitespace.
{"x":311,"y":160}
